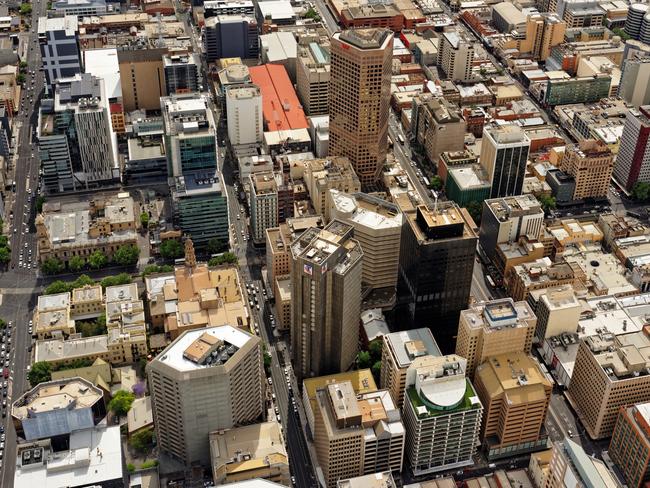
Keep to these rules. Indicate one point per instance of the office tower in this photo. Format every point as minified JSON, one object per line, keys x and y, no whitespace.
{"x":438,"y":125}
{"x":634,"y":87}
{"x":633,"y":158}
{"x":313,"y":77}
{"x":436,"y":266}
{"x":552,"y":35}
{"x":208,"y":379}
{"x":190,"y":133}
{"x":182,"y":73}
{"x":244,"y":114}
{"x":378,"y":228}
{"x":322,"y":175}
{"x":56,"y":161}
{"x":515,"y":394}
{"x":558,"y":311}
{"x":399,"y":350}
{"x":326,"y":299}
{"x":504,"y":155}
{"x":495,"y":327}
{"x":231,"y":36}
{"x":142,"y":77}
{"x":442,"y":415}
{"x":264,"y":204}
{"x":591,"y":164}
{"x":610,"y":371}
{"x":507,"y":219}
{"x":359,"y":99}
{"x":634,"y":19}
{"x":630,"y":444}
{"x":58,"y":39}
{"x":571,"y":466}
{"x":356,"y":433}
{"x":455,"y":56}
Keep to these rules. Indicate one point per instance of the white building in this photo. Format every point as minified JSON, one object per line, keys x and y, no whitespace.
{"x":455,"y":54}
{"x":263,"y":204}
{"x":244,"y":113}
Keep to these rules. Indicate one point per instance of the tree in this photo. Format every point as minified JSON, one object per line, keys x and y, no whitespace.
{"x":375,"y":348}
{"x":81,"y":281}
{"x":40,"y":200}
{"x":91,"y":329}
{"x":225,"y":258}
{"x":144,"y":219}
{"x":363,"y":360}
{"x":155,"y":268}
{"x":127,"y":255}
{"x":120,"y":279}
{"x":52,"y":266}
{"x":3,"y":324}
{"x":215,"y":246}
{"x":130,"y":467}
{"x":5,"y":255}
{"x":20,"y":78}
{"x":435,"y":183}
{"x":376,"y":370}
{"x":267,"y":363}
{"x":171,"y":249}
{"x":23,"y":65}
{"x":621,"y":33}
{"x":56,"y":287}
{"x":142,"y":441}
{"x":475,"y":210}
{"x":121,"y":402}
{"x":312,"y":14}
{"x":25,"y":9}
{"x":40,"y":372}
{"x":97,"y":260}
{"x":76,"y":263}
{"x":641,"y":191}
{"x":547,"y":202}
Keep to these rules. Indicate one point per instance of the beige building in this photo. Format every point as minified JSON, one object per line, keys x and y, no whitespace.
{"x":399,"y":351}
{"x":100,"y":374}
{"x":515,"y":394}
{"x":323,"y":175}
{"x":142,"y":76}
{"x":591,"y":163}
{"x":249,"y":452}
{"x":313,"y":76}
{"x":374,"y":480}
{"x":206,"y":380}
{"x":359,"y":99}
{"x":496,"y":327}
{"x":571,"y":466}
{"x":558,"y":311}
{"x":125,"y":321}
{"x":538,"y":275}
{"x":263,"y":201}
{"x":282,"y":295}
{"x":610,"y":371}
{"x":10,"y":90}
{"x":438,"y":125}
{"x":87,"y":302}
{"x":356,"y":434}
{"x":52,"y":317}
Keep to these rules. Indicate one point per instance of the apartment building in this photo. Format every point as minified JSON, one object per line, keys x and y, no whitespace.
{"x":206,"y":380}
{"x":591,"y":164}
{"x":496,"y":327}
{"x":323,"y":175}
{"x":313,"y":77}
{"x":263,"y":205}
{"x":438,"y":125}
{"x":455,"y":56}
{"x":630,"y":444}
{"x":244,"y":114}
{"x":610,"y":371}
{"x":515,"y":394}
{"x":142,"y":76}
{"x":558,"y":311}
{"x":504,"y":155}
{"x":633,"y":158}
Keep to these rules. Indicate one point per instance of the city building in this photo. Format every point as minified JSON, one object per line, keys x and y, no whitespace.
{"x":326,"y":275}
{"x":213,"y":8}
{"x":249,"y":452}
{"x":455,"y":56}
{"x":374,"y":480}
{"x":357,"y":57}
{"x":438,"y":125}
{"x":230,"y":36}
{"x":399,"y":351}
{"x":263,"y":205}
{"x":633,"y":159}
{"x":442,"y":415}
{"x":142,"y":77}
{"x":146,"y":160}
{"x":496,"y":327}
{"x":635,"y":81}
{"x":207,"y":380}
{"x":52,"y":317}
{"x":322,"y":175}
{"x":244,"y":114}
{"x":437,"y":253}
{"x":466,"y":184}
{"x":630,"y":444}
{"x":515,"y":395}
{"x":59,"y":43}
{"x":313,"y":77}
{"x":571,"y":466}
{"x":563,"y":91}
{"x":504,"y":155}
{"x":591,"y":164}
{"x":182,"y":73}
{"x":80,"y":8}
{"x":103,"y":63}
{"x":610,"y":371}
{"x":558,"y":311}
{"x":508,"y":18}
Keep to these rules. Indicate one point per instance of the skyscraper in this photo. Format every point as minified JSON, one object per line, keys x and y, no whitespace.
{"x":633,"y":158}
{"x":504,"y":154}
{"x":591,"y":163}
{"x":359,"y":97}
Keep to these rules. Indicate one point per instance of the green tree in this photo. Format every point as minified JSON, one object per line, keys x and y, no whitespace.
{"x":121,"y":402}
{"x":621,"y":33}
{"x":267,"y":363}
{"x":40,"y":372}
{"x":641,"y":191}
{"x":149,"y":464}
{"x":215,"y":246}
{"x":376,"y":371}
{"x":363,"y":360}
{"x":25,"y":9}
{"x":23,"y":65}
{"x":40,"y":200}
{"x":375,"y":348}
{"x":130,"y":467}
{"x":56,"y":287}
{"x":5,"y":254}
{"x":155,"y":268}
{"x":76,"y":263}
{"x":91,"y":329}
{"x":20,"y":78}
{"x":81,"y":281}
{"x":3,"y":324}
{"x":171,"y":249}
{"x":52,"y":266}
{"x":120,"y":279}
{"x":127,"y":255}
{"x":475,"y":209}
{"x":225,"y":258}
{"x":144,"y":219}
{"x":548,"y":202}
{"x":312,"y":14}
{"x":97,"y":260}
{"x":435,"y":183}
{"x":4,"y":241}
{"x":142,"y":441}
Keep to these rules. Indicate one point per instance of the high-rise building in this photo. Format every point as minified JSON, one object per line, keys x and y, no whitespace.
{"x":633,"y":158}
{"x":58,"y":38}
{"x":515,"y":394}
{"x":436,"y":265}
{"x":313,"y":77}
{"x":182,"y":73}
{"x":504,"y":155}
{"x":442,"y":415}
{"x":208,"y":379}
{"x":610,"y":371}
{"x":399,"y":350}
{"x":326,"y":299}
{"x":359,"y":99}
{"x":558,"y":311}
{"x":552,"y":35}
{"x":571,"y":466}
{"x":455,"y":56}
{"x":634,"y":19}
{"x":323,"y":175}
{"x":630,"y":444}
{"x":591,"y":164}
{"x":244,"y":114}
{"x":635,"y":81}
{"x":231,"y":36}
{"x":264,"y":204}
{"x":142,"y":77}
{"x":495,"y":327}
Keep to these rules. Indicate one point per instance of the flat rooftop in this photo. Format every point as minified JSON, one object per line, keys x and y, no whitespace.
{"x":410,"y":344}
{"x":365,"y":38}
{"x":367,"y":210}
{"x":67,"y":394}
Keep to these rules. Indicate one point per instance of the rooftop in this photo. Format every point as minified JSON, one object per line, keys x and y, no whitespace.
{"x":408,"y":345}
{"x":374,"y":480}
{"x":366,"y":210}
{"x":103,"y":63}
{"x":516,"y":375}
{"x":68,"y":394}
{"x":365,"y":38}
{"x":499,"y":314}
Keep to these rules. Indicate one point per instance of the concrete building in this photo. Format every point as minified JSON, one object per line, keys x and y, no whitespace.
{"x":206,"y":380}
{"x":322,"y":175}
{"x":438,"y":125}
{"x":467,"y":184}
{"x":504,"y":155}
{"x":399,"y":351}
{"x":142,"y":77}
{"x":635,"y":81}
{"x":80,"y":8}
{"x":495,"y":327}
{"x":633,"y":158}
{"x":357,"y":57}
{"x":558,"y":311}
{"x":249,"y":452}
{"x":591,"y":164}
{"x":630,"y":444}
{"x":244,"y":114}
{"x":436,"y":264}
{"x":566,"y":90}
{"x":375,"y":480}
{"x":507,"y":18}
{"x":326,"y":275}
{"x":515,"y":394}
{"x":59,"y":43}
{"x":610,"y":371}
{"x":52,"y":317}
{"x":455,"y":56}
{"x":571,"y":466}
{"x":182,"y":73}
{"x":264,"y":205}
{"x":442,"y":415}
{"x":231,"y":36}
{"x":313,"y":77}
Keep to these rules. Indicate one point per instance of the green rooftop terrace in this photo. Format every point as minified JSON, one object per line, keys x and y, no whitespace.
{"x":465,"y":404}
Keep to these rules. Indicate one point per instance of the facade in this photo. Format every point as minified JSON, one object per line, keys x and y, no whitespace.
{"x":182,"y":73}
{"x":504,"y":155}
{"x":438,"y":125}
{"x":322,"y":175}
{"x":244,"y":114}
{"x":587,"y":89}
{"x":230,"y":36}
{"x":558,"y":311}
{"x":571,"y":466}
{"x":591,"y":164}
{"x":326,"y":275}
{"x":313,"y":77}
{"x":58,"y":39}
{"x":635,"y":81}
{"x":206,"y":380}
{"x":264,"y":205}
{"x":357,"y":57}
{"x":142,"y":77}
{"x":633,"y":158}
{"x":52,"y":317}
{"x":630,"y":444}
{"x":466,"y":184}
{"x":436,"y":265}
{"x":515,"y":394}
{"x":442,"y":415}
{"x":495,"y":327}
{"x":79,"y":8}
{"x":455,"y":56}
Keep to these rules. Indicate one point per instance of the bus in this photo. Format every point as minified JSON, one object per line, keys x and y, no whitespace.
{"x":425,"y":180}
{"x":400,"y":138}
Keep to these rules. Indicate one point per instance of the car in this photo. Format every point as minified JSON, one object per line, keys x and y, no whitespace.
{"x":278,"y":417}
{"x":250,"y":302}
{"x":271,"y":381}
{"x":293,"y":480}
{"x":3,"y":437}
{"x":570,"y":432}
{"x":277,"y":410}
{"x":257,"y":306}
{"x":273,"y":396}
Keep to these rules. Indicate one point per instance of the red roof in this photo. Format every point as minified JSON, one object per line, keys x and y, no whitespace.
{"x":280,"y":104}
{"x":116,"y":108}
